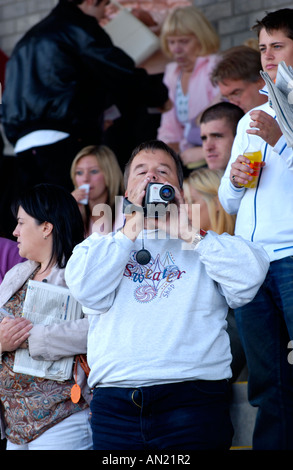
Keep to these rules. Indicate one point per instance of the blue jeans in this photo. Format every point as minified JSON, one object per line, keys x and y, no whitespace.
{"x":266,"y":326}
{"x":179,"y":416}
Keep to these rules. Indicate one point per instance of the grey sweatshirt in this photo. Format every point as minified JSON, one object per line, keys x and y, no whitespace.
{"x":166,"y":321}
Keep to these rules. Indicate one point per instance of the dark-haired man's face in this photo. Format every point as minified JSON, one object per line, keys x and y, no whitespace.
{"x":217,"y":140}
{"x":275,"y":47}
{"x":150,"y":166}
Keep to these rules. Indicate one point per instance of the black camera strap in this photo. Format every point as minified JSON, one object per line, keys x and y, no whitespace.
{"x":143,"y":256}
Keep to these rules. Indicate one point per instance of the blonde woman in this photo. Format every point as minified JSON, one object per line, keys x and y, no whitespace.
{"x":97,"y":166}
{"x":201,"y":187}
{"x":189,"y":40}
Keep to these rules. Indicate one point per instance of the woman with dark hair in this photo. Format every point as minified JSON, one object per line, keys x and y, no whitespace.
{"x":54,"y":208}
{"x":38,"y":413}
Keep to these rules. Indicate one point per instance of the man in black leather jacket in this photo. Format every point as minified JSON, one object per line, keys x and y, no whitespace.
{"x":61,"y":77}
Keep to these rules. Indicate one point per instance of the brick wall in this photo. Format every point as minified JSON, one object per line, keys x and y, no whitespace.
{"x":17,"y":16}
{"x":232,"y":18}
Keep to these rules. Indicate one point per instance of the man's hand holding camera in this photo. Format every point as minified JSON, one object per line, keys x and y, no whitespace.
{"x":134,"y":214}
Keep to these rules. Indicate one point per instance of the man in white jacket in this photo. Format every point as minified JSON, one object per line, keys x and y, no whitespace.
{"x":158,"y":348}
{"x":264,"y":215}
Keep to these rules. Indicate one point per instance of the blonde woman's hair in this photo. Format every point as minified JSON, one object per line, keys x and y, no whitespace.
{"x":108,"y":165}
{"x":207,"y":183}
{"x":190,"y":20}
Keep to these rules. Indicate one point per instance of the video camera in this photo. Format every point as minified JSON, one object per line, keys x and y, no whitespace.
{"x":157,"y":197}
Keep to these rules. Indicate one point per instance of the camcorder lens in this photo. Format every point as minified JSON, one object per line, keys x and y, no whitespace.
{"x":167,"y":193}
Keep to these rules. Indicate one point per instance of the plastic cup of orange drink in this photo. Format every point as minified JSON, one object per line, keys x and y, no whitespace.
{"x":255,"y":163}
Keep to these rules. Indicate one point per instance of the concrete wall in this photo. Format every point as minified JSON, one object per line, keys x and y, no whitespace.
{"x":232,"y":18}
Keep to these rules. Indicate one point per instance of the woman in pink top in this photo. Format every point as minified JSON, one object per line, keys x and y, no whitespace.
{"x":190,"y":40}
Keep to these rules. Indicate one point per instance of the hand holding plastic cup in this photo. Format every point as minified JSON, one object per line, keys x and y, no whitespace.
{"x":256,"y":164}
{"x":87,"y":189}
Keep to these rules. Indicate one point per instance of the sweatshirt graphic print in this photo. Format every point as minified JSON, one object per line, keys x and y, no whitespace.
{"x":155,"y":279}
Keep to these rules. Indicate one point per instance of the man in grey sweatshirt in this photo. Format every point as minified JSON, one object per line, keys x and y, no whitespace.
{"x":158,"y":348}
